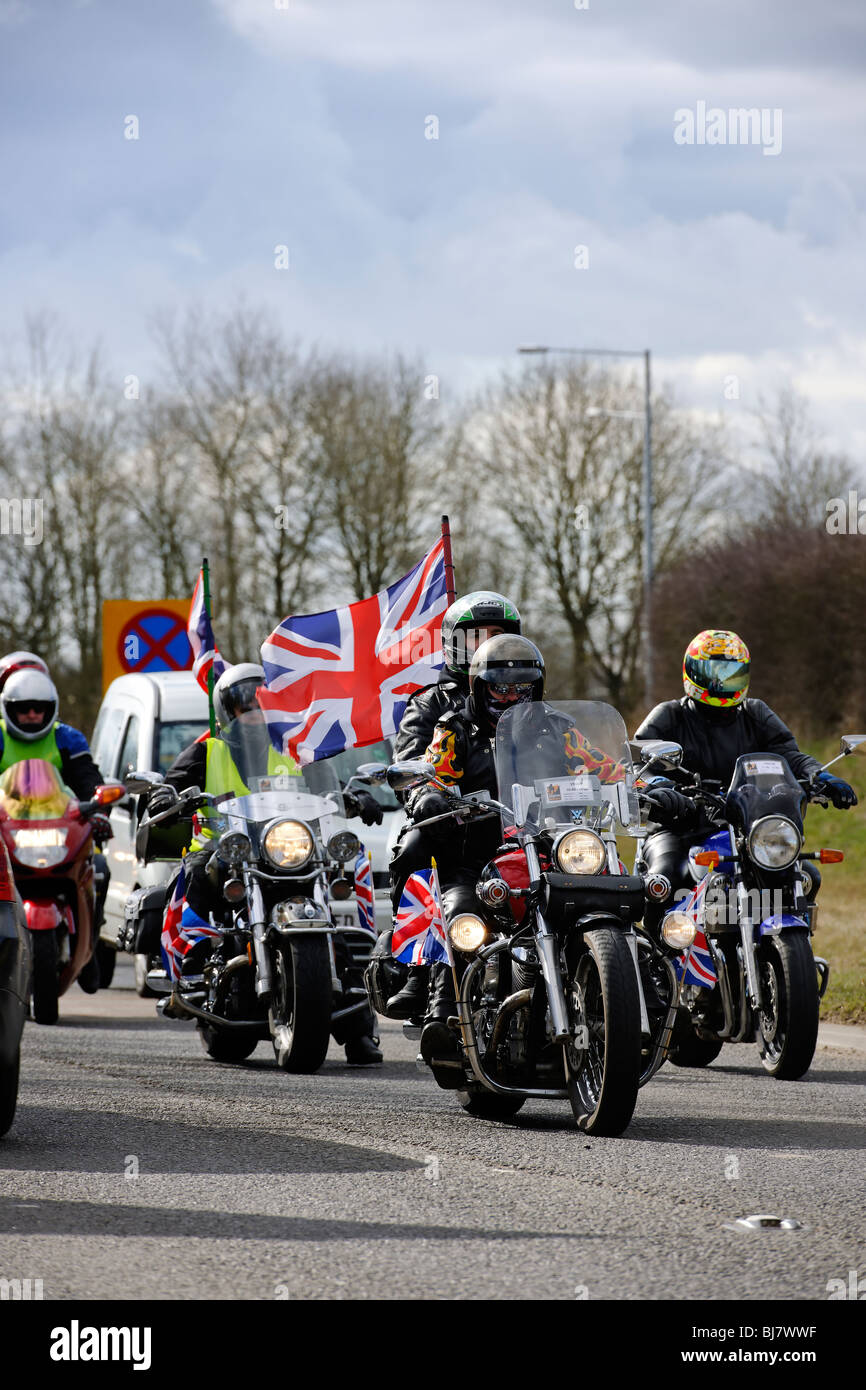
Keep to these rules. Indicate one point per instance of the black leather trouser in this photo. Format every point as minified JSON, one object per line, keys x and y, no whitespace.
{"x":667,"y":852}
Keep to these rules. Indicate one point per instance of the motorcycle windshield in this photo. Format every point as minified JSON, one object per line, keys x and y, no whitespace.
{"x":274,"y":784}
{"x":33,"y":790}
{"x":563,"y":764}
{"x":764,"y":785}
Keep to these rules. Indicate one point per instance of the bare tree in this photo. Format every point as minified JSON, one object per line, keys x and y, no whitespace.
{"x":373,"y":434}
{"x":558,"y":454}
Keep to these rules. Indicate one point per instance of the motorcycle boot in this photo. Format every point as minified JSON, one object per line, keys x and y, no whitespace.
{"x":363,"y":1052}
{"x":411,"y":1000}
{"x":439,"y":1046}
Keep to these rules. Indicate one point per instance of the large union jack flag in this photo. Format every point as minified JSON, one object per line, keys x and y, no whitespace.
{"x":341,"y":679}
{"x":419,"y":929}
{"x":201,"y":638}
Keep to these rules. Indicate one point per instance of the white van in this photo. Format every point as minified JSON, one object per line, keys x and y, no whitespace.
{"x":143,"y":723}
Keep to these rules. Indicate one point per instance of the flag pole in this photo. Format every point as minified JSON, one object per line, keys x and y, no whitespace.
{"x":449,"y":563}
{"x":210,"y":707}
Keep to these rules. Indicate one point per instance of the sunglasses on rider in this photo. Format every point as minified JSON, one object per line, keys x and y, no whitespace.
{"x":523,"y":688}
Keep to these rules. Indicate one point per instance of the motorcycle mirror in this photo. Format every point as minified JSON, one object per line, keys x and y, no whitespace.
{"x":658,"y":751}
{"x":139,"y":782}
{"x":402,"y":775}
{"x":108,"y":793}
{"x":854,"y":743}
{"x":373,"y":772}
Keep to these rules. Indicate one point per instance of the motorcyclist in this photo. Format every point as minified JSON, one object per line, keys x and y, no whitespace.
{"x":716,"y":722}
{"x":505,"y":671}
{"x":469,"y":621}
{"x":29,"y":728}
{"x":222,"y":766}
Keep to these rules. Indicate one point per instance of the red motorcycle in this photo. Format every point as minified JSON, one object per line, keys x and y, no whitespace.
{"x":49,"y":837}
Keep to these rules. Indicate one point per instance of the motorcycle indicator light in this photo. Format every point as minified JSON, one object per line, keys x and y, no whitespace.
{"x":493,"y":892}
{"x":234,"y":847}
{"x":288,"y":844}
{"x":774,"y":842}
{"x":344,"y":845}
{"x":580,"y":852}
{"x":831,"y":856}
{"x":708,"y":857}
{"x":107,"y":795}
{"x":679,"y":930}
{"x":234,"y":890}
{"x":467,"y":932}
{"x":341,"y":889}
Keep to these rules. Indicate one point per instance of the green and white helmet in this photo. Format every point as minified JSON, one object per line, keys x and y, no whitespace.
{"x":470,"y":621}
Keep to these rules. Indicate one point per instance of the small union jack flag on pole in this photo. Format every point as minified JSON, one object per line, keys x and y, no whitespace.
{"x":419,"y":928}
{"x":696,"y":966}
{"x":341,"y":679}
{"x":182,"y":927}
{"x":205,"y":657}
{"x":364,"y":892}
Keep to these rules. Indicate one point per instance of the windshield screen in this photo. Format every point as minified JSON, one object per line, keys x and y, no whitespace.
{"x":32,"y":790}
{"x":565,"y":764}
{"x":267,"y":783}
{"x":174,"y":737}
{"x":764,"y":785}
{"x":348,"y":762}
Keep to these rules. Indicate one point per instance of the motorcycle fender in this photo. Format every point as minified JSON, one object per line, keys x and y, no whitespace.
{"x":779,"y":922}
{"x":42,"y":916}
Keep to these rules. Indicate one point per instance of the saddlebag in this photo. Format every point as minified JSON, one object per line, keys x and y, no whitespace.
{"x":143,"y":914}
{"x":384,"y":976}
{"x":568,"y":897}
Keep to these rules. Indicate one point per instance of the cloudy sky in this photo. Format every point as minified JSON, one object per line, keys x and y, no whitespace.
{"x":278,"y":122}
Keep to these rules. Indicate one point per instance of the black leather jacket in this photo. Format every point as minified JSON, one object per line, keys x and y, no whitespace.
{"x":712,"y":741}
{"x":423,"y":712}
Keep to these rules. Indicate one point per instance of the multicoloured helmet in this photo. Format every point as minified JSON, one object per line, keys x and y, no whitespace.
{"x":485,"y":613}
{"x":716,"y":668}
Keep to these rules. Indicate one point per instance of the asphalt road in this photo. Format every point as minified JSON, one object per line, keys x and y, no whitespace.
{"x":138,"y":1168}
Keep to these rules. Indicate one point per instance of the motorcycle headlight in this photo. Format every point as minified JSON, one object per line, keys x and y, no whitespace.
{"x":580,"y":852}
{"x":467,"y":932}
{"x":234,"y":847}
{"x":774,"y":842}
{"x":41,"y":849}
{"x":288,"y":844}
{"x":679,"y":930}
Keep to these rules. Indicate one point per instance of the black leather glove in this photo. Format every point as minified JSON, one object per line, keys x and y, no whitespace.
{"x":161,"y":798}
{"x":432,"y":803}
{"x":363,"y":804}
{"x":840,"y":793}
{"x":101,"y":826}
{"x":671,"y":808}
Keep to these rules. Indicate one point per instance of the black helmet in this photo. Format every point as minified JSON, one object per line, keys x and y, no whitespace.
{"x":505,"y":671}
{"x":480,"y":609}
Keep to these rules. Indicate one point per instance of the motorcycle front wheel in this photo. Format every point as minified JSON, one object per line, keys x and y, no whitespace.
{"x":8,"y":1093}
{"x":603,"y":1076}
{"x":300,"y":1013}
{"x":45,"y":952}
{"x":788,"y":1017}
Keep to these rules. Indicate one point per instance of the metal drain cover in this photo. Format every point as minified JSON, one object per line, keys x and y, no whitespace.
{"x":765,"y":1223}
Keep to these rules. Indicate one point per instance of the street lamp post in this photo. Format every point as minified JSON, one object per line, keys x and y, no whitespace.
{"x":646,"y":415}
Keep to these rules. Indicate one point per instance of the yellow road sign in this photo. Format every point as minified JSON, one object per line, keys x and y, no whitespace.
{"x":144,"y":635}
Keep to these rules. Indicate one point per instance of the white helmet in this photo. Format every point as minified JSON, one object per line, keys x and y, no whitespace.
{"x":19,"y":661}
{"x":28,"y":689}
{"x":235,"y":691}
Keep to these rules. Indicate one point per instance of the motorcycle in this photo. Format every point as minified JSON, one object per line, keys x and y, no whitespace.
{"x":49,"y":837}
{"x":280,"y":966}
{"x":549,"y":1005}
{"x":746,"y":967}
{"x":14,"y":988}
